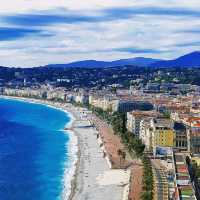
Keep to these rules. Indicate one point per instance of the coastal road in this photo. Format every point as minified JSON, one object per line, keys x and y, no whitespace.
{"x":160,"y":181}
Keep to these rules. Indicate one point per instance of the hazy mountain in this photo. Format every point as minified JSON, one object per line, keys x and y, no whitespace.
{"x":188,"y":60}
{"x":83,"y":64}
{"x":139,"y":61}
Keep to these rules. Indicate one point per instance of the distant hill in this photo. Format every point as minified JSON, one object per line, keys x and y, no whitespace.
{"x":188,"y":60}
{"x":83,"y":64}
{"x":139,"y":61}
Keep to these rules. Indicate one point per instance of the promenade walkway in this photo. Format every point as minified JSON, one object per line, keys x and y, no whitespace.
{"x":112,"y":144}
{"x":136,"y":181}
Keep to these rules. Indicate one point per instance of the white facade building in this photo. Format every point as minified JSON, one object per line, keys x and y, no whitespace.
{"x":146,"y":133}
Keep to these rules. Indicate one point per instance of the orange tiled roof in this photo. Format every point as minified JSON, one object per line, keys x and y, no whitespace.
{"x":197,"y":125}
{"x":193,"y":119}
{"x":145,"y":113}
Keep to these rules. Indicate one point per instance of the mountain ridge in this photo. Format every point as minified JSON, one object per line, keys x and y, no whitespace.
{"x":188,"y":60}
{"x":138,"y":61}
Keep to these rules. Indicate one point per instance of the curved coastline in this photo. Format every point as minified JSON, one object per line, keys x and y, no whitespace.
{"x":72,"y":146}
{"x":90,"y":173}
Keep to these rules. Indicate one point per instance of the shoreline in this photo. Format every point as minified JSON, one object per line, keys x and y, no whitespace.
{"x":81,"y":170}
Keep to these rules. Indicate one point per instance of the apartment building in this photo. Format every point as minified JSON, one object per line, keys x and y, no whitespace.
{"x":193,"y":133}
{"x":81,"y":97}
{"x":146,"y":133}
{"x":105,"y":102}
{"x":163,"y":134}
{"x":25,"y":92}
{"x":181,"y":136}
{"x":135,"y":117}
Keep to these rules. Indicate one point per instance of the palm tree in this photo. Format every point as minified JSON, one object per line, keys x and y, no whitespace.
{"x":119,"y":152}
{"x":122,"y":156}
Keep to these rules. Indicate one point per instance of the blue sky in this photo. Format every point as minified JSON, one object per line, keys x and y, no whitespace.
{"x":34,"y":33}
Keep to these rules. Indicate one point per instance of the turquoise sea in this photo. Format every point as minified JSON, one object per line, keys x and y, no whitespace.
{"x":35,"y":152}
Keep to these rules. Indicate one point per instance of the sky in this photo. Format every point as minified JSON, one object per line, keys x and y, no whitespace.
{"x":35,"y":33}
